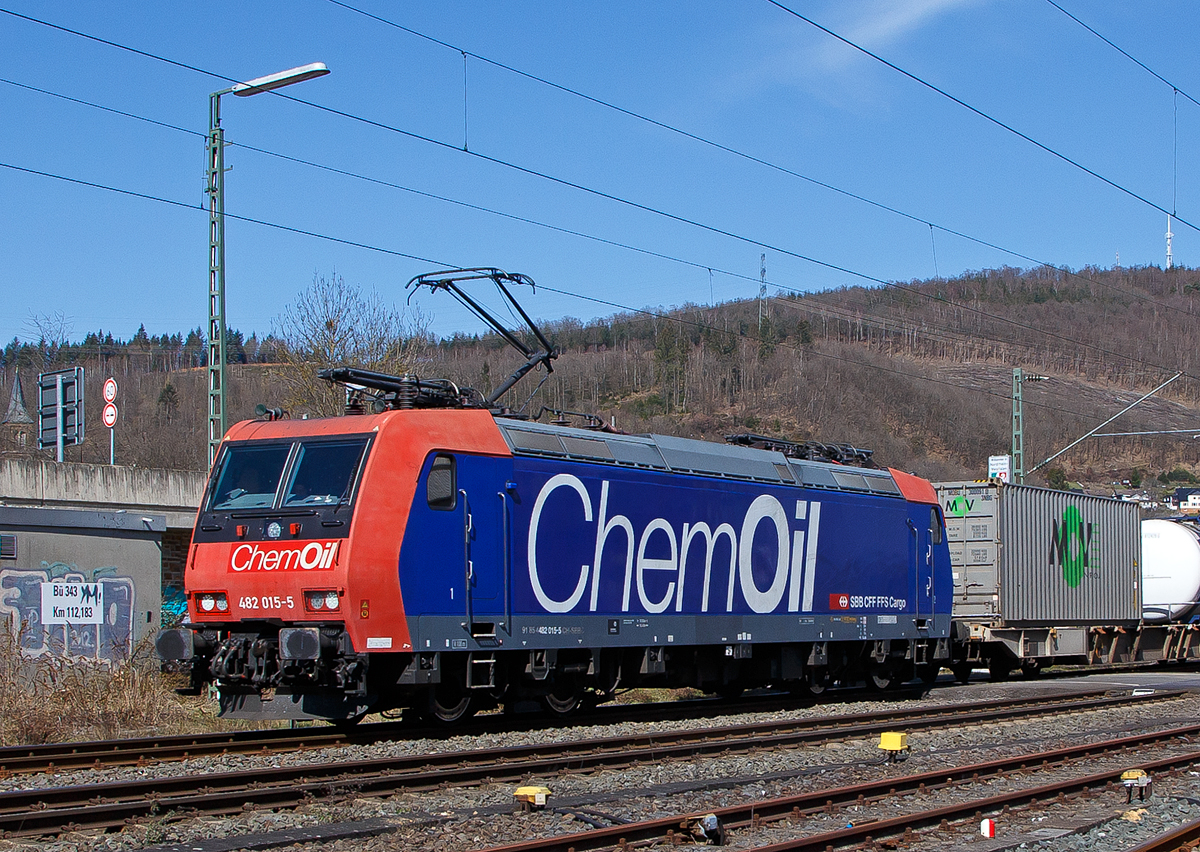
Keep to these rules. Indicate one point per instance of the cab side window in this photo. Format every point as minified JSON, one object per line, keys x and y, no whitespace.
{"x":935,"y":525}
{"x":441,"y":489}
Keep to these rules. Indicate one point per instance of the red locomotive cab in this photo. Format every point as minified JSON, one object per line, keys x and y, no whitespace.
{"x":272,"y":542}
{"x":292,"y":585}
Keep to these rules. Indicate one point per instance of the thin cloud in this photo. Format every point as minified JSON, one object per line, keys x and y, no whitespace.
{"x":808,"y":60}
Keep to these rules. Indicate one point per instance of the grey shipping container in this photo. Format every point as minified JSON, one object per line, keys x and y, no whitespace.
{"x":1033,"y":556}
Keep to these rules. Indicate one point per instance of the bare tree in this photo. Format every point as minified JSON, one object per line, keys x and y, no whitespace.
{"x":333,"y":323}
{"x":53,"y":331}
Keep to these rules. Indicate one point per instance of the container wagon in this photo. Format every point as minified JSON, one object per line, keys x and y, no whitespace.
{"x":1044,"y":577}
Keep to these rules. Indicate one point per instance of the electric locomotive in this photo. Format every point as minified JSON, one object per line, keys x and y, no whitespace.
{"x":444,"y":555}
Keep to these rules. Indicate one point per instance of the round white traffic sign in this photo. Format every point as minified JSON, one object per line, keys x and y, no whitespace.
{"x":110,"y":391}
{"x":110,"y":415}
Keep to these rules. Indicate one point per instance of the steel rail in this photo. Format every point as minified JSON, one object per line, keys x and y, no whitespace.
{"x":796,"y":807}
{"x":51,"y":810}
{"x":97,"y":754}
{"x":54,"y":757}
{"x":1186,"y":837}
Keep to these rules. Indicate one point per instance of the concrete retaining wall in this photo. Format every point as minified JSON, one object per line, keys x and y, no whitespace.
{"x":47,"y":484}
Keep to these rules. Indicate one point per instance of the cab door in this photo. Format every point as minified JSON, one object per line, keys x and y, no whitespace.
{"x":452,"y":557}
{"x":926,"y":536}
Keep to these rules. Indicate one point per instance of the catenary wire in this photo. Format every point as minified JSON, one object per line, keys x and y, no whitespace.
{"x":1124,"y":53}
{"x":622,"y":200}
{"x":381,"y":182}
{"x":896,"y":286}
{"x":500,"y":162}
{"x":697,"y":138}
{"x":887,"y":285}
{"x":395,"y":253}
{"x":564,"y":182}
{"x":827,"y":355}
{"x":984,"y":115}
{"x":159,"y":199}
{"x":503,"y":163}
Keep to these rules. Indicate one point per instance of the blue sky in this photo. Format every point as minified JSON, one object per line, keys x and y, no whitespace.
{"x":746,"y":75}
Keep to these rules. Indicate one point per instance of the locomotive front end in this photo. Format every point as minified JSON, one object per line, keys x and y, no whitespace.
{"x":267,"y":578}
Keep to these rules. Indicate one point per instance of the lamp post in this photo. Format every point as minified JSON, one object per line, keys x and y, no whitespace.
{"x":215,"y":164}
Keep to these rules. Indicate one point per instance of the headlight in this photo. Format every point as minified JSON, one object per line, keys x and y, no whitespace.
{"x":210,"y":601}
{"x":318,"y":600}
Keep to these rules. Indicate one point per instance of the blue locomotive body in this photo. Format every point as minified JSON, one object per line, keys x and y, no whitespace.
{"x":650,"y":549}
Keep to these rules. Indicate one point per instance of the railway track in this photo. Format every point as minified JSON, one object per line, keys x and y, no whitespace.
{"x":53,"y":810}
{"x":55,"y":757}
{"x":1186,"y":838}
{"x":60,"y":757}
{"x":795,"y":809}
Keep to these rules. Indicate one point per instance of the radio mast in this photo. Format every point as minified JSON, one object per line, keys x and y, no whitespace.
{"x":1169,"y":235}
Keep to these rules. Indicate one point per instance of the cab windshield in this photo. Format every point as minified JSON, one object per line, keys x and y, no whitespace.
{"x":313,"y":473}
{"x":323,"y":473}
{"x":250,"y":477}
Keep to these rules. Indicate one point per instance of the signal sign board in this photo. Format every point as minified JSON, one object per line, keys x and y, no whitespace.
{"x":110,"y":415}
{"x":110,"y":389}
{"x":60,"y":394}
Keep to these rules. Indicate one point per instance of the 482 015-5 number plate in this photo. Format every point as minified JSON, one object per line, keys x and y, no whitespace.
{"x":266,"y":602}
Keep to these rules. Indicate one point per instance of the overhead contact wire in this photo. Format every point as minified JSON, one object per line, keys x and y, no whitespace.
{"x":600,"y":193}
{"x":444,"y":264}
{"x":887,"y":285}
{"x":984,"y":115}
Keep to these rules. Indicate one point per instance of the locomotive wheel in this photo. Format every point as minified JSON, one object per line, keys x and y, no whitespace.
{"x":449,"y":703}
{"x":881,"y":677}
{"x":816,"y":681}
{"x":564,"y":699}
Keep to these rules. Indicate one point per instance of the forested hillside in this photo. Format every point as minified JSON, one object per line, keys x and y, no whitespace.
{"x":919,"y":372}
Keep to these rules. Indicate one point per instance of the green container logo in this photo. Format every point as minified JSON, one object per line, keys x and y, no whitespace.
{"x":1070,"y":546}
{"x":959,"y":506}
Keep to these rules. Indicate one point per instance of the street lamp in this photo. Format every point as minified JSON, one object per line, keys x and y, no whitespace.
{"x":215,"y":162}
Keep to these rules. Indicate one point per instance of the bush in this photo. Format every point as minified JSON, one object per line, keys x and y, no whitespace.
{"x":1056,"y":478}
{"x":54,"y":698}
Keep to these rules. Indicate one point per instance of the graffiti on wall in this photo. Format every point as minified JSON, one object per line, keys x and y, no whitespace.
{"x":110,"y":641}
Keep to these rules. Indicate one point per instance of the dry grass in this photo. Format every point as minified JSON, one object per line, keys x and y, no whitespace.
{"x":645,"y":695}
{"x":53,"y":698}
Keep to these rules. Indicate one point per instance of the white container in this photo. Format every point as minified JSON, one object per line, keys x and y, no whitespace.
{"x":1170,"y":569}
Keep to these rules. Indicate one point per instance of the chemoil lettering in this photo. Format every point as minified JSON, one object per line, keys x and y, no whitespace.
{"x":1070,"y":546}
{"x":313,"y":556}
{"x":787,"y":581}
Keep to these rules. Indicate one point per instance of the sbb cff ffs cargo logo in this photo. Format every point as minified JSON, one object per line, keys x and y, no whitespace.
{"x":839,"y":602}
{"x":1071,"y":546}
